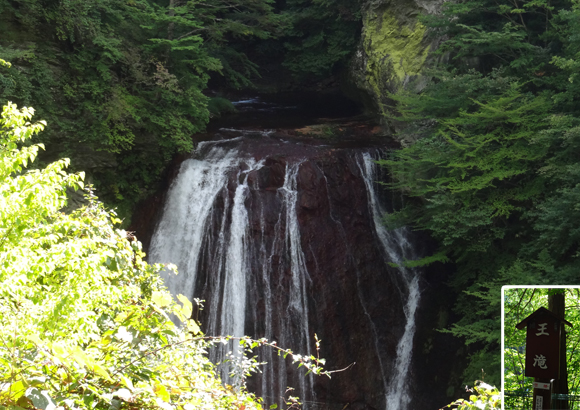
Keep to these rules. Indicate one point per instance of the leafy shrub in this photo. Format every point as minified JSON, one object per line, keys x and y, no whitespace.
{"x":85,"y":319}
{"x":219,"y":106}
{"x":485,"y":397}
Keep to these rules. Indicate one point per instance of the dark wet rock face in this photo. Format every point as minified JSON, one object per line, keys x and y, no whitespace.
{"x":300,"y":215}
{"x":346,"y":296}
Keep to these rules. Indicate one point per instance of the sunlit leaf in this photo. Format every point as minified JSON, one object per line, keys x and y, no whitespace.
{"x":161,"y":392}
{"x":161,"y":299}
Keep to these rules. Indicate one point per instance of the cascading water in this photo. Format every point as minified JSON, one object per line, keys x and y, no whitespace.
{"x":246,"y":227}
{"x":397,"y":247}
{"x":193,"y":235}
{"x":287,"y":242}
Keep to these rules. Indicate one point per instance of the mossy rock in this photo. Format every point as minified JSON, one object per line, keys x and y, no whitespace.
{"x":326,"y":131}
{"x":394,"y":49}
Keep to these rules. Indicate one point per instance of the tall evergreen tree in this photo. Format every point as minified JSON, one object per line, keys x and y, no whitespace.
{"x":492,"y":170}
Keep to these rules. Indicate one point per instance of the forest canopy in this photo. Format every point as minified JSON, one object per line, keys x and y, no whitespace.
{"x":124,"y":85}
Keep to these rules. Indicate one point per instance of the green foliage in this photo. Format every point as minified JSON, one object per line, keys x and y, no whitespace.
{"x":85,"y":319}
{"x":484,"y":397}
{"x":121,"y":82}
{"x":107,"y":87}
{"x":218,"y":106}
{"x":321,"y":35}
{"x":517,"y":35}
{"x":491,"y":164}
{"x":472,"y":171}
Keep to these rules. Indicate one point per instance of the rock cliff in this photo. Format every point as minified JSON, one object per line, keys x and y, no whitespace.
{"x":394,"y":49}
{"x":346,"y":291}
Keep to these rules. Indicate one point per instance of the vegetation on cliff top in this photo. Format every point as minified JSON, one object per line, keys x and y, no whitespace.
{"x":122,"y":84}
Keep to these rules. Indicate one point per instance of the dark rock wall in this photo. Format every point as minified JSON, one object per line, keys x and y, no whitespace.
{"x":355,"y":301}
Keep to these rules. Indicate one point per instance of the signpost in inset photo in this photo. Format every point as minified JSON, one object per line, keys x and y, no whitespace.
{"x":543,"y":353}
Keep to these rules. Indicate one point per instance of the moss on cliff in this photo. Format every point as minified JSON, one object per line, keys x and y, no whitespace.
{"x":394,"y":52}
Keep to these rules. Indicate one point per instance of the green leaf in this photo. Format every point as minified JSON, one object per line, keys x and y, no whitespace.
{"x":161,"y":392}
{"x":17,"y":389}
{"x":161,"y":299}
{"x":193,"y":327}
{"x":187,"y":306}
{"x":81,"y":358}
{"x":98,"y":369}
{"x":40,"y":399}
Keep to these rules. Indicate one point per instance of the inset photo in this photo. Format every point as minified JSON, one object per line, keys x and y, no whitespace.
{"x":540,"y":347}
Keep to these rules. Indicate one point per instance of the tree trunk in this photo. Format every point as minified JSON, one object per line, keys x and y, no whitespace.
{"x":556,"y":304}
{"x":171,"y":13}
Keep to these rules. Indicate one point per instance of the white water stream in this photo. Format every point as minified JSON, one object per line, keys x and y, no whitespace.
{"x":397,"y":247}
{"x":179,"y":235}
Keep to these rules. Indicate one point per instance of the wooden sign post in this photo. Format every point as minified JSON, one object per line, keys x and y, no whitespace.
{"x":544,"y":330}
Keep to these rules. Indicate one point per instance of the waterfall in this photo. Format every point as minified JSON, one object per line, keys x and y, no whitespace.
{"x":187,"y":236}
{"x":232,"y":225}
{"x":288,"y":242}
{"x":397,"y":247}
{"x":179,"y":235}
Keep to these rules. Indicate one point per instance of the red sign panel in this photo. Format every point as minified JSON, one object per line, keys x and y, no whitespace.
{"x":543,"y":347}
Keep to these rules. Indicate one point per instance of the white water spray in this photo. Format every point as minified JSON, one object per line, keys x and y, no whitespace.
{"x":187,"y":236}
{"x":288,"y":242}
{"x":398,"y":249}
{"x":179,"y":235}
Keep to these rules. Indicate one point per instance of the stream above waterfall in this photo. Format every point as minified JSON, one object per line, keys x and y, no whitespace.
{"x":288,"y":110}
{"x":279,"y":231}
